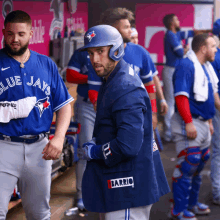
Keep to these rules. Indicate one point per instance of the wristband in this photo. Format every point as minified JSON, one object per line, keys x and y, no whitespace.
{"x":151,"y":88}
{"x":154,"y":105}
{"x":162,"y":100}
{"x":96,"y":152}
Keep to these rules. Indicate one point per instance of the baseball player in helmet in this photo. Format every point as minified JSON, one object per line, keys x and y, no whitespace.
{"x":31,"y":90}
{"x":119,"y":180}
{"x":195,"y":85}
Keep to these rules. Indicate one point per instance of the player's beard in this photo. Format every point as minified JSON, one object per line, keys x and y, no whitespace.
{"x":177,"y":29}
{"x":12,"y":52}
{"x":210,"y":58}
{"x":107,"y":69}
{"x":126,"y":39}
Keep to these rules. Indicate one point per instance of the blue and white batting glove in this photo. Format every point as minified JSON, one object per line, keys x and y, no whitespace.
{"x":90,"y":151}
{"x":84,"y":153}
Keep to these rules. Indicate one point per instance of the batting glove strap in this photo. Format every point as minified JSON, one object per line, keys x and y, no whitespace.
{"x":96,"y":152}
{"x":90,"y":151}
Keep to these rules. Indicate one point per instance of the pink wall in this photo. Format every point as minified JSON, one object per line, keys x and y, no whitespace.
{"x":43,"y":17}
{"x":149,"y":23}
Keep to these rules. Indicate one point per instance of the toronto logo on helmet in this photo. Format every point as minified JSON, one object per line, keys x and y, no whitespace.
{"x":42,"y":104}
{"x":90,"y":35}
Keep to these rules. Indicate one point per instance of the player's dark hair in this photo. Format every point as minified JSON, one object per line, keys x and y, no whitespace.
{"x":113,"y":15}
{"x":199,"y":41}
{"x":167,"y":20}
{"x":18,"y":17}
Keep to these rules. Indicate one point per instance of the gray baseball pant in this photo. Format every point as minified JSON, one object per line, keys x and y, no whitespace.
{"x":137,"y":213}
{"x":84,"y":114}
{"x":22,"y":164}
{"x":168,"y":90}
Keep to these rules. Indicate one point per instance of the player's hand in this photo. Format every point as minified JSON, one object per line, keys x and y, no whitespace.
{"x":163,"y":107}
{"x":53,"y":149}
{"x":211,"y":128}
{"x":186,"y":48}
{"x":191,"y":132}
{"x":95,"y":106}
{"x":84,"y":153}
{"x":154,"y":119}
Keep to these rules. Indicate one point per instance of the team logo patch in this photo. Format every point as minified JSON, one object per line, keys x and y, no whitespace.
{"x":42,"y":104}
{"x":121,"y":182}
{"x":106,"y":150}
{"x":155,"y":148}
{"x":90,"y":35}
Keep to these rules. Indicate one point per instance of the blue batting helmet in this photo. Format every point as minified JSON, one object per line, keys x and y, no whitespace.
{"x":105,"y":35}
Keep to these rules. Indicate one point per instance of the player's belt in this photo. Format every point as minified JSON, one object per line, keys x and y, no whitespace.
{"x":28,"y":140}
{"x":86,"y":99}
{"x":199,"y":117}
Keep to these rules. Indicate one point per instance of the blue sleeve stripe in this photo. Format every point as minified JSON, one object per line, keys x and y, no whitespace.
{"x":155,"y":73}
{"x":181,"y":93}
{"x":64,"y":103}
{"x":147,"y":76}
{"x":178,"y":47}
{"x":73,"y":68}
{"x":94,"y":83}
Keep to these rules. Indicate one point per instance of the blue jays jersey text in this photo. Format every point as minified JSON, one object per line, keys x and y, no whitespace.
{"x":173,"y":48}
{"x":80,"y":62}
{"x":39,"y":78}
{"x":183,"y":80}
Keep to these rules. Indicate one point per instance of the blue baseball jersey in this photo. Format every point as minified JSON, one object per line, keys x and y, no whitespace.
{"x":173,"y":48}
{"x":183,"y":80}
{"x":216,"y":66}
{"x":39,"y":78}
{"x":81,"y":63}
{"x":127,"y":175}
{"x":140,"y":61}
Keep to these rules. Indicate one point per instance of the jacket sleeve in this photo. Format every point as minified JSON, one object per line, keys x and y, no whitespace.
{"x":128,"y":113}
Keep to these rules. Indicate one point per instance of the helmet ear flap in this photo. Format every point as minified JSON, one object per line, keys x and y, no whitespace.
{"x":120,"y":53}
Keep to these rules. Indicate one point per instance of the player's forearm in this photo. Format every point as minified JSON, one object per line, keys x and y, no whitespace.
{"x":63,"y":116}
{"x":159,"y":91}
{"x":183,"y":107}
{"x":152,"y":95}
{"x":151,"y":89}
{"x":217,"y":101}
{"x":73,"y":76}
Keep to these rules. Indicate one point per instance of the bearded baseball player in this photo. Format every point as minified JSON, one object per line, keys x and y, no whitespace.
{"x":138,"y":58}
{"x":119,"y":180}
{"x":195,"y":84}
{"x":31,"y":90}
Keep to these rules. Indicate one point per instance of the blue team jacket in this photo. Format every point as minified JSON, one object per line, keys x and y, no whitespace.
{"x":126,"y":176}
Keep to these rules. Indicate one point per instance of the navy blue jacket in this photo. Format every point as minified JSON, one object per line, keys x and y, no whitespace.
{"x":126,"y":176}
